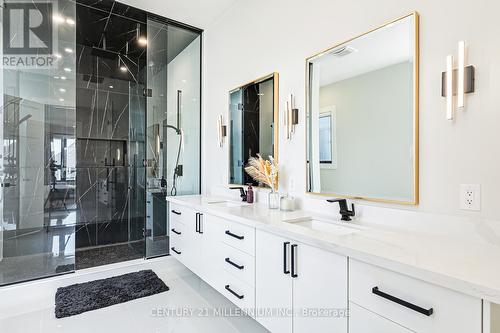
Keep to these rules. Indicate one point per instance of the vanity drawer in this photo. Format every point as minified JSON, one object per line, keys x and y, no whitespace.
{"x":363,"y":321}
{"x":181,"y":214}
{"x":176,"y":247}
{"x":239,"y":236}
{"x":238,"y":263}
{"x":240,"y":293}
{"x":177,"y":228}
{"x":412,"y":303}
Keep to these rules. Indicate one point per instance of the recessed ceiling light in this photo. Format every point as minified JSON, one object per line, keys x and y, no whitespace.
{"x":67,"y":69}
{"x":70,"y":21}
{"x":142,"y":41}
{"x":68,"y":50}
{"x":57,"y":55}
{"x":183,"y":81}
{"x":123,"y":68}
{"x":111,"y":87}
{"x":58,"y":18}
{"x":61,"y":99}
{"x":62,"y":90}
{"x":63,"y":77}
{"x":56,"y":77}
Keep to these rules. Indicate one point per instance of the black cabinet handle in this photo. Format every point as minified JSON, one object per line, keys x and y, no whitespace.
{"x":427,"y":312}
{"x":200,"y":223}
{"x":176,"y":212}
{"x":229,"y":233}
{"x":197,"y":221}
{"x":294,"y":258}
{"x":286,"y":270}
{"x":176,"y":232}
{"x":173,"y":249}
{"x":240,"y":267}
{"x":233,"y":292}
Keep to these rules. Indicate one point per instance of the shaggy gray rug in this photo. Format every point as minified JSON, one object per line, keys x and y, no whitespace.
{"x":93,"y":295}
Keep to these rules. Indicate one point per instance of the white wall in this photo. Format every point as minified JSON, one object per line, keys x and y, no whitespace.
{"x":258,"y":37}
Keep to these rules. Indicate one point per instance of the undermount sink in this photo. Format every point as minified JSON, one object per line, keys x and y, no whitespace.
{"x":323,"y":226}
{"x":229,"y":204}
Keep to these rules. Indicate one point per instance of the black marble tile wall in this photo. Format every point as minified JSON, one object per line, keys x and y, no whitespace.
{"x":110,"y":121}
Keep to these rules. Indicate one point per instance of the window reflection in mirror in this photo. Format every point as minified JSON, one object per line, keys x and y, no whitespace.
{"x":252,"y":130}
{"x":362,"y":116}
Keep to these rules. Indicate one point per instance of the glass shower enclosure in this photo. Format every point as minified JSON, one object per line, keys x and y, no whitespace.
{"x":173,"y":124}
{"x":95,"y":138}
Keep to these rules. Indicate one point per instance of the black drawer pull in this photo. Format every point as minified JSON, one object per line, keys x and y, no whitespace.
{"x":234,"y":264}
{"x":427,"y":312}
{"x":229,"y":233}
{"x":286,"y":270}
{"x":294,"y":261}
{"x":178,"y":252}
{"x":233,"y":292}
{"x":176,"y":232}
{"x":175,"y":212}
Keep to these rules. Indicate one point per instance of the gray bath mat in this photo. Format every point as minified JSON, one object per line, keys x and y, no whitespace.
{"x":93,"y":295}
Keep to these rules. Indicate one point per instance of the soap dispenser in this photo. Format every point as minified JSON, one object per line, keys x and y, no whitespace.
{"x":250,"y":193}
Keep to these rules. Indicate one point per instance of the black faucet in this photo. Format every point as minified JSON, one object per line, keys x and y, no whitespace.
{"x":344,"y":211}
{"x":243,"y":193}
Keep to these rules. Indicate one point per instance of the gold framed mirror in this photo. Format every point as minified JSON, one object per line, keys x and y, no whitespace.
{"x":362,"y":101}
{"x":253,"y":125}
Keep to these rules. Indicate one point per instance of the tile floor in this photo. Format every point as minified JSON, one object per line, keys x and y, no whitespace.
{"x":28,"y":308}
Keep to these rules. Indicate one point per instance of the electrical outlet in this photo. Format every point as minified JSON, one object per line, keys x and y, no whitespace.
{"x":470,"y":197}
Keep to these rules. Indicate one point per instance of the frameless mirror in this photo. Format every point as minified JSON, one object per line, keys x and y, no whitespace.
{"x":362,"y":116}
{"x":253,"y":119}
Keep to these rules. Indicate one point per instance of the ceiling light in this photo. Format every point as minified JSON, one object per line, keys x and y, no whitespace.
{"x":68,"y":50}
{"x":61,"y":99}
{"x":111,"y":87}
{"x":56,"y":77}
{"x":63,"y":77}
{"x":123,"y":68}
{"x":58,"y":18}
{"x":70,"y":21}
{"x":57,"y":55}
{"x":62,"y":90}
{"x":142,"y":41}
{"x":67,"y":69}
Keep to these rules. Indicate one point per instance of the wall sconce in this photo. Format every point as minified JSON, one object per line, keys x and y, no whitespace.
{"x":221,"y":130}
{"x":457,"y":82}
{"x":291,"y":117}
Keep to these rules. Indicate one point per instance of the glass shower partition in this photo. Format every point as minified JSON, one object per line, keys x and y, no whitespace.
{"x":173,"y":124}
{"x":37,"y":163}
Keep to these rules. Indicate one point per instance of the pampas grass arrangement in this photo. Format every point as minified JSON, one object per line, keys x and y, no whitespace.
{"x":263,"y":171}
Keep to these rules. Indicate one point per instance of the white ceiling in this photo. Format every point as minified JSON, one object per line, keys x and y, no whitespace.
{"x":384,"y":47}
{"x":198,"y":13}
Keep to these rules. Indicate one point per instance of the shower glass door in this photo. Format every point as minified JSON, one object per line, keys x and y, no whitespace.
{"x":37,"y":124}
{"x":173,"y":125}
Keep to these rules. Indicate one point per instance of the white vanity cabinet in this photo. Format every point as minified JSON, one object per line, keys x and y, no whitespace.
{"x":187,"y":237}
{"x":418,"y":306}
{"x":293,"y":287}
{"x":305,"y":287}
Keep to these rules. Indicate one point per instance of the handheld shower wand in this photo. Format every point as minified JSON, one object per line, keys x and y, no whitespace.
{"x":173,"y":191}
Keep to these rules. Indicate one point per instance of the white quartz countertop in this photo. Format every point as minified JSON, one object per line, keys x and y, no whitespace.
{"x":473,"y":269}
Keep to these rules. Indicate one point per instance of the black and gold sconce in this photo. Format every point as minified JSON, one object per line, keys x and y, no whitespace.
{"x":290,"y":117}
{"x":221,"y":130}
{"x":457,"y":81}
